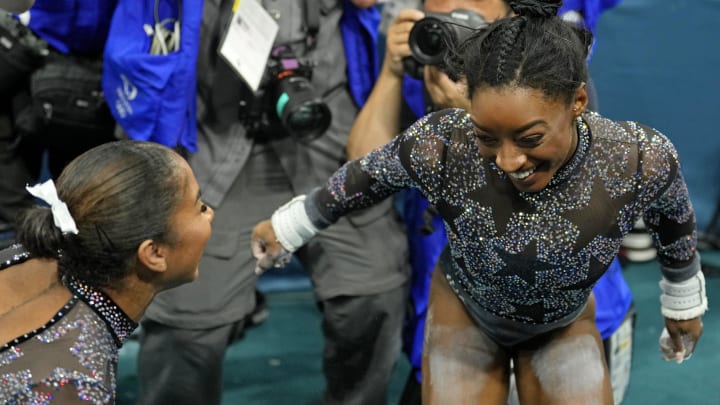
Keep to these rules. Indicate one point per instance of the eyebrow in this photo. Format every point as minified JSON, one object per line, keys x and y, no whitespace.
{"x":516,"y":131}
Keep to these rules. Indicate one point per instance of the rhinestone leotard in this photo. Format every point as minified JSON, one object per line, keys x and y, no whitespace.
{"x":73,"y":356}
{"x":531,"y":258}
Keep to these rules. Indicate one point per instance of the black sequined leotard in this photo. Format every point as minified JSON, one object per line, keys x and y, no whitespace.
{"x":530,"y":258}
{"x":73,"y":357}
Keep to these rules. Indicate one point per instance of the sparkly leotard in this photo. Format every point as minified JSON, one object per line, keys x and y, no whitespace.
{"x":529,"y":258}
{"x":73,"y":357}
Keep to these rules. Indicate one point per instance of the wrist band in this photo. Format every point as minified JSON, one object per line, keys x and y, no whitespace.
{"x":292,"y":225}
{"x":683,"y":300}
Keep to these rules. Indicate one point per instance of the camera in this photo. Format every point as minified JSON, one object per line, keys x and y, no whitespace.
{"x":287,"y":103}
{"x":432,"y":37}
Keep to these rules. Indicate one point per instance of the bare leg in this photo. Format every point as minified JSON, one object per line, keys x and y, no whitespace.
{"x":461,"y":365}
{"x":566,"y":366}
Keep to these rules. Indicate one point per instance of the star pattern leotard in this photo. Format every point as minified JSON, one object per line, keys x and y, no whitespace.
{"x":529,"y":257}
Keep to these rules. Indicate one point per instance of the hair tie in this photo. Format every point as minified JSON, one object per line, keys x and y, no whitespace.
{"x":61,"y":215}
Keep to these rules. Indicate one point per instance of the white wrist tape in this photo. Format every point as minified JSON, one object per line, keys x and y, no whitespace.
{"x":684,"y":300}
{"x":292,"y":225}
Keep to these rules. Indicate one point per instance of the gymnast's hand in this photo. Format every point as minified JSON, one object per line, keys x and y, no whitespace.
{"x":266,"y":248}
{"x":679,"y":338}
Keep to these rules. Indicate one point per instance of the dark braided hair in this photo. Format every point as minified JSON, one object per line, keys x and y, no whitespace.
{"x":534,"y":49}
{"x":119,"y":194}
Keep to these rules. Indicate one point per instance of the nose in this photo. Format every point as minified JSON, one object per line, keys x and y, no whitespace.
{"x":211,"y":213}
{"x":510,"y":158}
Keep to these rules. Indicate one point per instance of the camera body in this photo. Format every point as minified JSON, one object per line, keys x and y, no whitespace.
{"x":21,"y":52}
{"x":287,"y":103}
{"x":434,"y":35}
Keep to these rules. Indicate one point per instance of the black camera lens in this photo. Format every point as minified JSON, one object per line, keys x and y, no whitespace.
{"x":301,"y":112}
{"x":308,"y":118}
{"x":432,"y":37}
{"x":429,"y":41}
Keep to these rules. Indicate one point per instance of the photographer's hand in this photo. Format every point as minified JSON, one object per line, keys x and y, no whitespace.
{"x":398,"y":35}
{"x":379,"y":119}
{"x":444,"y":92}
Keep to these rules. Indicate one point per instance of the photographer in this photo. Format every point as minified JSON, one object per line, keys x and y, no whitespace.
{"x":249,"y":160}
{"x":52,"y":107}
{"x":395,"y":101}
{"x":380,"y":119}
{"x":406,"y":90}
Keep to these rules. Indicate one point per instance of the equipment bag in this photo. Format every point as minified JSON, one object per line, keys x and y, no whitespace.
{"x":67,"y":91}
{"x":65,"y":103}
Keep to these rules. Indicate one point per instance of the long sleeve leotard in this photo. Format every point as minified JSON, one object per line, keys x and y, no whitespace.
{"x":530,"y":257}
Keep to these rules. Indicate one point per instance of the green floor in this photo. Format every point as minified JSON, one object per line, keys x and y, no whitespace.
{"x":279,"y":361}
{"x":275,"y":363}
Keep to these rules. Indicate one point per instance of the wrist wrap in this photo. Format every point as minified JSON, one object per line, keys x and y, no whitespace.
{"x":683,"y":300}
{"x":292,"y":225}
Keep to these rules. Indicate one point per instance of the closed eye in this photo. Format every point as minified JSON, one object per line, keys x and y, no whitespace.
{"x":485,"y":139}
{"x":530,"y":141}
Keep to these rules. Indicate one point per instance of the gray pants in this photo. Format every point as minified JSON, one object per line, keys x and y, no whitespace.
{"x":182,"y":366}
{"x":361,"y":346}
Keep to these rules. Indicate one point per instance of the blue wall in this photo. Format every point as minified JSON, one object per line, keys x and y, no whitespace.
{"x":657,"y":62}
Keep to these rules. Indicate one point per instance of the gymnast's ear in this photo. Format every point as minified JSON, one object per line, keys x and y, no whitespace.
{"x":580,"y":102}
{"x":153,"y":256}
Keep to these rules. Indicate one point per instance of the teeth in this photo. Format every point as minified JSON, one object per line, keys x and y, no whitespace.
{"x":522,"y":175}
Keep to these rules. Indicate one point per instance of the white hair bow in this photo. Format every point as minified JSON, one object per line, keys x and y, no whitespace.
{"x":61,"y":215}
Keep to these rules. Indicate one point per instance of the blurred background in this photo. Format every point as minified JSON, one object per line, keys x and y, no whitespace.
{"x":657,"y":62}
